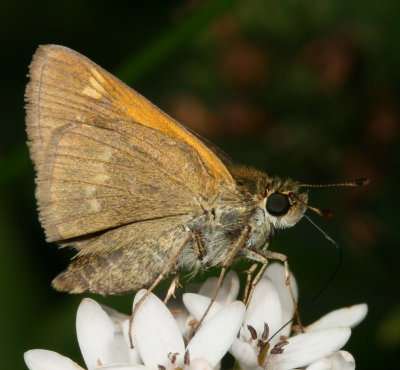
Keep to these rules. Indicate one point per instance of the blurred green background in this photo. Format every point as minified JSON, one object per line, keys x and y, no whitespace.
{"x":304,"y":89}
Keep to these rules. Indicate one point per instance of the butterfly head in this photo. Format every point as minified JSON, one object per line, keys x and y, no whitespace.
{"x":284,"y":204}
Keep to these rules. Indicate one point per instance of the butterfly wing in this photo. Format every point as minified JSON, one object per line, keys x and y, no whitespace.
{"x":104,"y":155}
{"x":124,"y":259}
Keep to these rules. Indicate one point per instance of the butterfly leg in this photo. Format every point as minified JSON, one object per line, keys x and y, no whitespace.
{"x":254,"y":282}
{"x":199,"y":246}
{"x":228,"y":262}
{"x":172,"y":287}
{"x":249,"y":277}
{"x":263,"y":256}
{"x":165,"y":272}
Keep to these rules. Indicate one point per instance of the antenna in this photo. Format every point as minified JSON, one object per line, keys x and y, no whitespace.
{"x":323,"y":211}
{"x":351,"y":183}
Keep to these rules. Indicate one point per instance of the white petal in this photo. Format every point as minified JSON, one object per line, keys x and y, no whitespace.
{"x":342,"y":360}
{"x":123,"y":367}
{"x":322,"y":364}
{"x":95,"y":332}
{"x":116,"y":317}
{"x":184,"y":320}
{"x":156,"y":332}
{"x":197,"y":304}
{"x":121,"y":346}
{"x":228,"y":290}
{"x":40,"y":359}
{"x":348,"y":316}
{"x":180,"y":318}
{"x":215,"y":337}
{"x":276,"y":272}
{"x":208,"y":287}
{"x":306,"y":348}
{"x":121,"y":349}
{"x":244,"y":353}
{"x":199,"y":364}
{"x":187,"y":327}
{"x":264,"y":307}
{"x":133,"y":353}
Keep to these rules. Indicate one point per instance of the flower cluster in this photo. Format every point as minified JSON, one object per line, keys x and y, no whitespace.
{"x":163,"y":338}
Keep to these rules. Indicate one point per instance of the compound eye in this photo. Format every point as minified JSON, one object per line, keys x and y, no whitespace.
{"x":277,"y":204}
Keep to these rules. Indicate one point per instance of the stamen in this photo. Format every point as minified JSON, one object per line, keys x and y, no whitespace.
{"x":172,"y":357}
{"x":186,"y":358}
{"x":252,"y":331}
{"x":265,"y":333}
{"x":277,"y":350}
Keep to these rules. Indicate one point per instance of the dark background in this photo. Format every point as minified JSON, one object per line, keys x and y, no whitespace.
{"x":304,"y":89}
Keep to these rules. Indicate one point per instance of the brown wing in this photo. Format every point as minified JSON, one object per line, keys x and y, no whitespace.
{"x":124,"y":259}
{"x":104,"y":155}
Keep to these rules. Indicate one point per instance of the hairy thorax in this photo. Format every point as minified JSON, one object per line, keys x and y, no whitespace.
{"x":217,"y":231}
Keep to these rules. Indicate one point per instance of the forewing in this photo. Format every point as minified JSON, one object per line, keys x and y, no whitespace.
{"x":99,"y":179}
{"x":104,"y":155}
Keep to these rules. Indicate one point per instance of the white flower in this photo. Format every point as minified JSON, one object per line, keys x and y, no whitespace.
{"x":198,"y":302}
{"x":271,"y":305}
{"x":160,"y":342}
{"x":103,"y":340}
{"x":270,"y":308}
{"x":159,"y":338}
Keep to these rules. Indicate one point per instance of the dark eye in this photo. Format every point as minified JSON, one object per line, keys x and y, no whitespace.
{"x":277,"y":204}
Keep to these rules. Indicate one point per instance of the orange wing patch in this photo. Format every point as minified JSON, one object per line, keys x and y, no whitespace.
{"x":105,"y":156}
{"x":133,"y":105}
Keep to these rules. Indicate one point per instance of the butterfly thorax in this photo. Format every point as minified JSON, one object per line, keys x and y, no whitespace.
{"x":218,"y":229}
